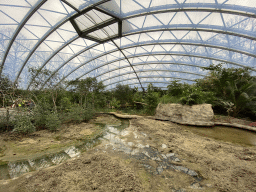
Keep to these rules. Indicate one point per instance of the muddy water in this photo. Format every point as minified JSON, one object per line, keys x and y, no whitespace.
{"x":124,"y":139}
{"x":228,"y":134}
{"x":135,"y":144}
{"x":15,"y":169}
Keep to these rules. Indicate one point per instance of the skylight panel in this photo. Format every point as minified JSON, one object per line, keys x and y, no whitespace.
{"x":83,"y":22}
{"x":80,"y":4}
{"x":97,"y":25}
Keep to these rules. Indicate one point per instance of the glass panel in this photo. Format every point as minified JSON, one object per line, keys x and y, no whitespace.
{"x":91,"y":19}
{"x":81,"y":4}
{"x":106,"y":32}
{"x":99,"y":34}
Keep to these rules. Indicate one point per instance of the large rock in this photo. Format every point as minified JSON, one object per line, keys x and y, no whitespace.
{"x":201,"y":115}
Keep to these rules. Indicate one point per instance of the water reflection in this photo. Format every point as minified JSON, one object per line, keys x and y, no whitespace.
{"x":134,"y":143}
{"x":17,"y":168}
{"x":229,"y":134}
{"x":73,"y":151}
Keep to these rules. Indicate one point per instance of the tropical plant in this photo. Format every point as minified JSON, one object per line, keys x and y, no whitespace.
{"x":114,"y":103}
{"x":194,"y":94}
{"x":175,"y":88}
{"x":151,"y":100}
{"x":231,"y":85}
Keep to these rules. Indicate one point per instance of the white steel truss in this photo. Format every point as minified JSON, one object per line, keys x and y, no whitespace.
{"x":172,"y":39}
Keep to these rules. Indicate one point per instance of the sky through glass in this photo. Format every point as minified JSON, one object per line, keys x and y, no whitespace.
{"x":162,"y":40}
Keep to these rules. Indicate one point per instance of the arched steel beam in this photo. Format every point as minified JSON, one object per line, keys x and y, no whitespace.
{"x":183,"y":43}
{"x":150,"y":43}
{"x":190,"y":27}
{"x":163,"y":82}
{"x":179,"y":29}
{"x":59,"y":24}
{"x":198,"y":7}
{"x":159,"y":53}
{"x":139,"y":64}
{"x":17,"y":31}
{"x":55,"y":27}
{"x":162,"y":88}
{"x":55,"y":53}
{"x":66,"y":62}
{"x":153,"y":70}
{"x":203,"y":44}
{"x":141,"y":55}
{"x":128,"y":62}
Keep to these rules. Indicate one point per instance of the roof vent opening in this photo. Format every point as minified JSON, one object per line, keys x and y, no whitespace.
{"x":97,"y":25}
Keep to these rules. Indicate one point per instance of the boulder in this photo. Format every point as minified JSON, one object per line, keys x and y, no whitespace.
{"x":201,"y":115}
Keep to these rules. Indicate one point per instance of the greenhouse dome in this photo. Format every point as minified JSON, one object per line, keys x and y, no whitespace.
{"x":131,"y":42}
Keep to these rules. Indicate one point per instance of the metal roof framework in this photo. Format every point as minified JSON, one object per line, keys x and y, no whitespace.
{"x":160,"y":40}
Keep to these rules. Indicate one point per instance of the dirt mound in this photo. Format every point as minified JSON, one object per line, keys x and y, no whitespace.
{"x":91,"y":172}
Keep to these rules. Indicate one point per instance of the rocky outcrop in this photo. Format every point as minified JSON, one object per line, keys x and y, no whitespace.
{"x":201,"y":115}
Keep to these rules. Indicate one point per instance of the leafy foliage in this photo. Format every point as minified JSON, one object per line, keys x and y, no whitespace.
{"x":52,"y":121}
{"x":23,"y":124}
{"x":6,"y":90}
{"x":193,"y":95}
{"x":78,"y":114}
{"x":124,"y":94}
{"x":6,"y":123}
{"x":88,"y":89}
{"x":231,"y":85}
{"x":115,"y":103}
{"x":151,"y":99}
{"x":168,"y":99}
{"x":175,"y":88}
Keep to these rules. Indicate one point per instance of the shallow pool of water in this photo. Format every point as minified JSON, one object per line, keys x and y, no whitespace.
{"x":229,"y":134}
{"x":17,"y":168}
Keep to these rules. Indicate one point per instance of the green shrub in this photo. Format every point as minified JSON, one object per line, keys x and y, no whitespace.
{"x":175,"y":88}
{"x":52,"y":122}
{"x":65,"y":104}
{"x":193,"y":95}
{"x":23,"y":124}
{"x":151,"y":101}
{"x":78,"y":114}
{"x":45,"y":117}
{"x":39,"y":116}
{"x":5,"y":123}
{"x":169,"y":99}
{"x":115,"y":103}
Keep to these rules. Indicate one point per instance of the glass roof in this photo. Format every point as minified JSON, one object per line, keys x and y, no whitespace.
{"x":157,"y":41}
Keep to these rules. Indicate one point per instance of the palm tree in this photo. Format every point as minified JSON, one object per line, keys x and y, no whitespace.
{"x":231,"y":85}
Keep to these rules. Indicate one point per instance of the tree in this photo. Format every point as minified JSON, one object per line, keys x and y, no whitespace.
{"x":231,"y":85}
{"x":87,"y":88}
{"x":38,"y":77}
{"x":6,"y":89}
{"x":151,"y":99}
{"x":175,"y":88}
{"x":124,"y":94}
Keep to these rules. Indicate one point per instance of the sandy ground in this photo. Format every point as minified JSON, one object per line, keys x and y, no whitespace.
{"x":222,"y":166}
{"x":15,"y":147}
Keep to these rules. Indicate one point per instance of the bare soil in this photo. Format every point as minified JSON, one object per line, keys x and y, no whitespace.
{"x":15,"y":147}
{"x":222,"y":166}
